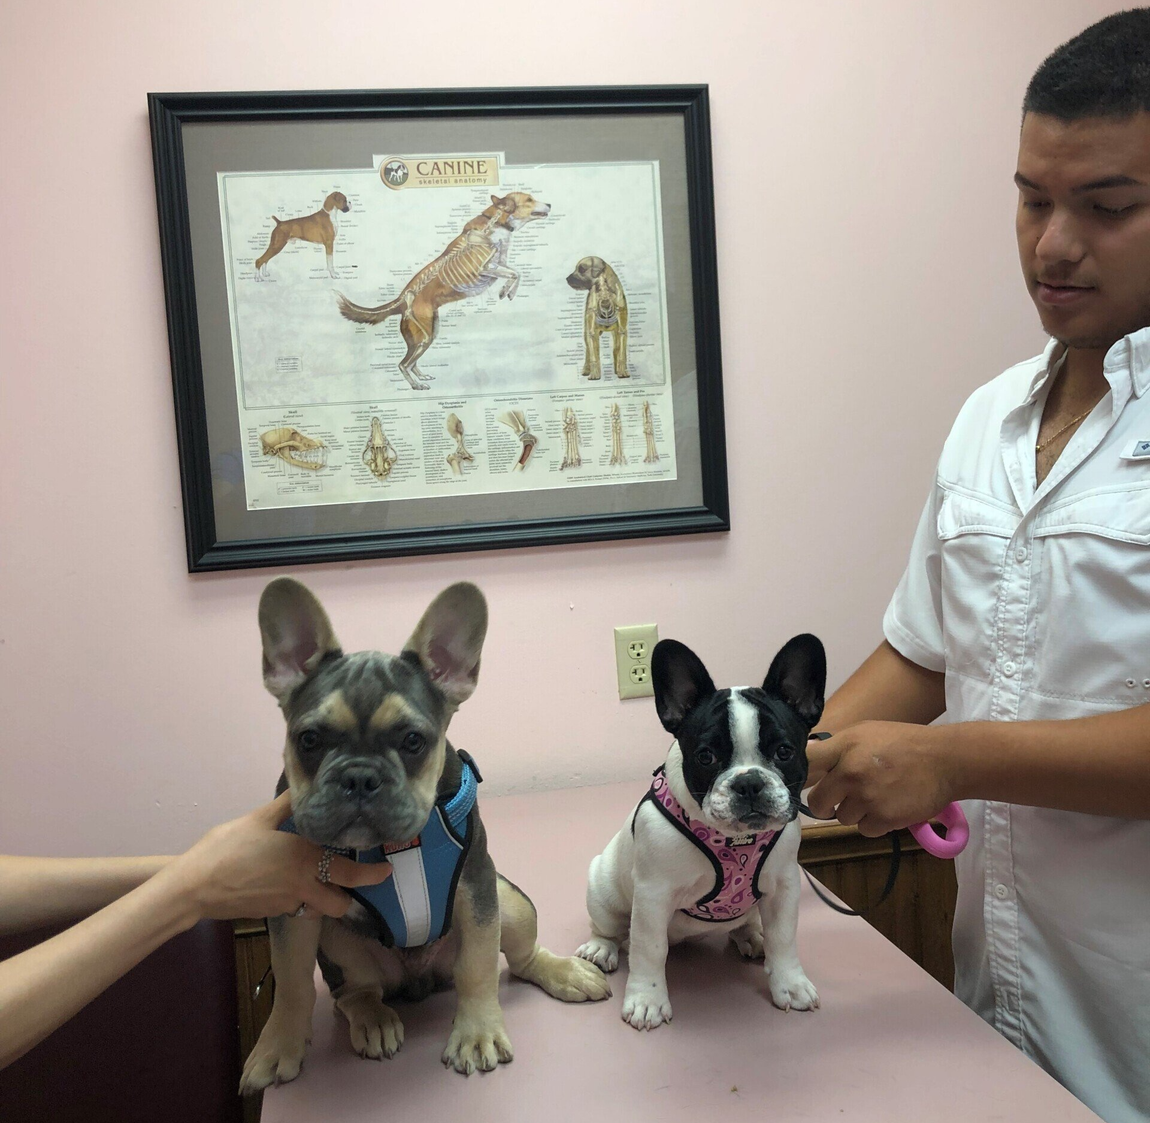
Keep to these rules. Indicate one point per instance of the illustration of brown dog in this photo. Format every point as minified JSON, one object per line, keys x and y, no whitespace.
{"x":604,"y":311}
{"x":471,"y":264}
{"x":320,"y":228}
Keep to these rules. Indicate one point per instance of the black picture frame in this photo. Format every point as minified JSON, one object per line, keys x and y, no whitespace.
{"x":171,"y":113}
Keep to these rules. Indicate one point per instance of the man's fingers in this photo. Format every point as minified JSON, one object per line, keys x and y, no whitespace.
{"x":326,"y":900}
{"x":826,"y":795}
{"x":871,"y":826}
{"x":343,"y":871}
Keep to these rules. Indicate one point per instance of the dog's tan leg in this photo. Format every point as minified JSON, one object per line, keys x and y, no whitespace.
{"x":278,"y":240}
{"x":418,"y":327}
{"x":564,"y":977}
{"x":590,"y":342}
{"x":278,"y":1053}
{"x":368,"y":972}
{"x":478,"y":1037}
{"x":329,"y":251}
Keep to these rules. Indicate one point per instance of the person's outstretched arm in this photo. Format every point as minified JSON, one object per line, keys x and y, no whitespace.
{"x":243,"y":868}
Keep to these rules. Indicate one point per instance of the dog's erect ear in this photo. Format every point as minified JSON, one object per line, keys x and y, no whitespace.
{"x":681,"y":682}
{"x":296,"y":635}
{"x":798,"y":677}
{"x":449,"y":640}
{"x":506,"y":204}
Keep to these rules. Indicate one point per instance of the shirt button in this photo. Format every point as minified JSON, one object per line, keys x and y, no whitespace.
{"x":1020,"y":554}
{"x":1131,"y":683}
{"x":1001,"y":892}
{"x":1008,"y":669}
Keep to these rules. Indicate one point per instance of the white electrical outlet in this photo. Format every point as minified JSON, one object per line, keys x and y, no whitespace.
{"x":633,"y":648}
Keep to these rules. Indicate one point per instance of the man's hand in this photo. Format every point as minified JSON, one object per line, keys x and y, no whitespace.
{"x":880,"y":775}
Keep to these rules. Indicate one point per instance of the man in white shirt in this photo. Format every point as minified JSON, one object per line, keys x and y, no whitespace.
{"x":1024,"y":613}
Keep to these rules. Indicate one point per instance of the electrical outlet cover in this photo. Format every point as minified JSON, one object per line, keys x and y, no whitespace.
{"x":633,"y":648}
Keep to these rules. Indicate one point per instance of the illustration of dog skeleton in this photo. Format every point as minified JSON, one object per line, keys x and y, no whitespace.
{"x":379,"y":454}
{"x":571,"y":457}
{"x":455,"y":459}
{"x":320,"y":228}
{"x":515,"y":420}
{"x":617,"y":456}
{"x":649,"y":432}
{"x":605,"y":310}
{"x":471,"y":264}
{"x":291,"y":446}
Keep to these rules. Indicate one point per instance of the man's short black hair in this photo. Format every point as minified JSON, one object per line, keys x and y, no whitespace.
{"x":1103,"y":72}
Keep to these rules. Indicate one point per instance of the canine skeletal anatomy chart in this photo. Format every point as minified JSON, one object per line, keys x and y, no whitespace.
{"x":649,"y":432}
{"x":379,"y":454}
{"x":518,"y":423}
{"x":455,"y":459}
{"x":617,"y":456}
{"x":471,"y":264}
{"x":291,"y":446}
{"x":571,"y":457}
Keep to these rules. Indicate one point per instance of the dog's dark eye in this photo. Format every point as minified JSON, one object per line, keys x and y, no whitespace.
{"x":705,"y":757}
{"x":413,"y":742}
{"x":784,"y":752}
{"x":308,"y":740}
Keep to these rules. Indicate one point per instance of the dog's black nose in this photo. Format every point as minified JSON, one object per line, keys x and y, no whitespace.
{"x":358,"y":781}
{"x":748,"y":784}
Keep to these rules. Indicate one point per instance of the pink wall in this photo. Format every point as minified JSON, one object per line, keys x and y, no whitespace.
{"x":863,"y":156}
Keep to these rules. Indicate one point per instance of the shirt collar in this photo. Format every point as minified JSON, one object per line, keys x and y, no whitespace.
{"x":1127,"y":362}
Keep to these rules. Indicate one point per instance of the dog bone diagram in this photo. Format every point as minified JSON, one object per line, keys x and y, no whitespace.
{"x":617,"y":456}
{"x":379,"y":454}
{"x":649,"y":432}
{"x":515,"y":419}
{"x":571,"y":457}
{"x":456,"y":458}
{"x":291,"y":446}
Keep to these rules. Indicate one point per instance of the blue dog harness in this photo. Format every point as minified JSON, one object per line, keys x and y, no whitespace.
{"x":413,"y":906}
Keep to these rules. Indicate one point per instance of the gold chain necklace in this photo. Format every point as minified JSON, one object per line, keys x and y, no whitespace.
{"x":1039,"y":447}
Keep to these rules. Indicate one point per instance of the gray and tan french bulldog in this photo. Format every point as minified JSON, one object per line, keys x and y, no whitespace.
{"x":371,"y":772}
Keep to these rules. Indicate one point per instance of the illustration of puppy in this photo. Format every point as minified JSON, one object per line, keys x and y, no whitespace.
{"x":372,"y":775}
{"x":320,"y":228}
{"x":713,"y":845}
{"x":605,"y":310}
{"x":471,"y":264}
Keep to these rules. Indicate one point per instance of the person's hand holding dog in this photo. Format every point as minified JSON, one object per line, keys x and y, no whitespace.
{"x":248,"y":867}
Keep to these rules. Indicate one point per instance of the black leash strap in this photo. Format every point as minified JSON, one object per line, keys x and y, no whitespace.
{"x":892,"y":873}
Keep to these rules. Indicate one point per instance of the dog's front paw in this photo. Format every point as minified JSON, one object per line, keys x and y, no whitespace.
{"x":477,"y":1043}
{"x":276,"y":1058}
{"x":646,"y":1005}
{"x":376,"y":1031}
{"x":792,"y":990}
{"x":602,"y":952}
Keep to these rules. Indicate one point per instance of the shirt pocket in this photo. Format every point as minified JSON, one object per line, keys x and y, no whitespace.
{"x":974,"y":535}
{"x":1093,"y":591}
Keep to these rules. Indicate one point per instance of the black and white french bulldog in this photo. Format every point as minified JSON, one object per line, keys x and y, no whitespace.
{"x":714,"y":843}
{"x":369,"y":766}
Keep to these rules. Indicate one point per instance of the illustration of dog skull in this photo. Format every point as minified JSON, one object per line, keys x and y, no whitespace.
{"x":292,"y":446}
{"x":379,"y":454}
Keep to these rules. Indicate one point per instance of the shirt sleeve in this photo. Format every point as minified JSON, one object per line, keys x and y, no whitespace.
{"x":913,"y":620}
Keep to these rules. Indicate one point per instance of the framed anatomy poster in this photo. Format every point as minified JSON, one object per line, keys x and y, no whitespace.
{"x":408,"y":322}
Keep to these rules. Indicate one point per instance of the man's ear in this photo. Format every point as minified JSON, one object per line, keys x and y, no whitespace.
{"x":798,"y":677}
{"x":681,"y":682}
{"x":449,"y":640}
{"x":296,"y":635}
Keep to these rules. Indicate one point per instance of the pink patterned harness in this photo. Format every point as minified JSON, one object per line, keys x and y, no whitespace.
{"x":736,"y":889}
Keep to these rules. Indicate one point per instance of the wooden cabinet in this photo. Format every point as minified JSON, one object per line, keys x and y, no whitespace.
{"x":918,"y":914}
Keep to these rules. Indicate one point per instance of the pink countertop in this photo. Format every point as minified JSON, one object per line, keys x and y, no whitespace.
{"x":888,"y":1045}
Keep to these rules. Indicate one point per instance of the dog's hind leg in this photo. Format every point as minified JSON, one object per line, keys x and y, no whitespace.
{"x":279,"y":239}
{"x":610,"y":919}
{"x":748,"y":938}
{"x":564,"y":977}
{"x":418,"y":333}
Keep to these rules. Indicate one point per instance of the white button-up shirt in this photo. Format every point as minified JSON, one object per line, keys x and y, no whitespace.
{"x":1035,"y":602}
